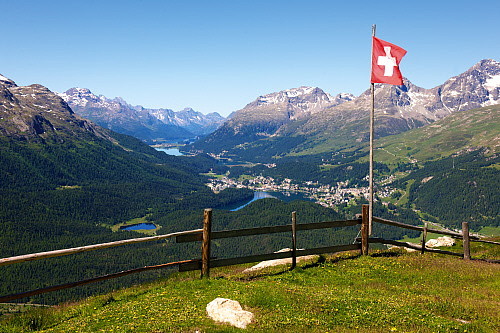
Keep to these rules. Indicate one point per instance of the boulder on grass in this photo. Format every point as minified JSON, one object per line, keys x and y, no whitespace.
{"x":440,"y":241}
{"x":224,"y":310}
{"x":277,"y":262}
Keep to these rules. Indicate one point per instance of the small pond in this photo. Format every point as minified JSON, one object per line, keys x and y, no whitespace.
{"x":139,"y":226}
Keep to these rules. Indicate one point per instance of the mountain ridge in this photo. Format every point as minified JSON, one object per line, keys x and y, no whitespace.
{"x":267,"y":114}
{"x":335,"y":126}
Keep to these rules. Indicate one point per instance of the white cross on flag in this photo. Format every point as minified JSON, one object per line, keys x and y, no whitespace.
{"x":385,"y":62}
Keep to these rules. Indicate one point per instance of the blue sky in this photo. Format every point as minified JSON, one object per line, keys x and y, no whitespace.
{"x":221,"y":55}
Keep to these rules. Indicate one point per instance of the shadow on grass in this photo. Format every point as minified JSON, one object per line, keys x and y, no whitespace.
{"x":386,"y":254}
{"x":322,"y":259}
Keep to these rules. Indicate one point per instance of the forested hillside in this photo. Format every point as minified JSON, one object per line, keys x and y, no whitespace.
{"x":456,"y":189}
{"x":69,"y":194}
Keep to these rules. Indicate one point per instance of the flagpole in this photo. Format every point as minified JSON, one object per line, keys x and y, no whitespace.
{"x":372,"y":121}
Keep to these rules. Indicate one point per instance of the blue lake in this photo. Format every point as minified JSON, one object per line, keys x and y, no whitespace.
{"x":170,"y":151}
{"x":286,"y":197}
{"x":256,"y":196}
{"x":139,"y":226}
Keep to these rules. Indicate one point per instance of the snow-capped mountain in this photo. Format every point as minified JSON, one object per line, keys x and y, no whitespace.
{"x":120,"y":117}
{"x":287,"y":105}
{"x":194,"y":121}
{"x":298,"y":102}
{"x":399,"y":108}
{"x":143,"y":123}
{"x":479,"y":86}
{"x":265,"y":116}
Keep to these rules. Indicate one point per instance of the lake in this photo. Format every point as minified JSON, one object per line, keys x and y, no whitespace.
{"x":170,"y":151}
{"x":256,"y":196}
{"x":286,"y":197}
{"x":139,"y":226}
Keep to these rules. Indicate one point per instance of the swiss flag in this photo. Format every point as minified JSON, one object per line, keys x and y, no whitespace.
{"x":385,"y":62}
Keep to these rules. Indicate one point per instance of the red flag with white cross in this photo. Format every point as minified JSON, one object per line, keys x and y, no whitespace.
{"x":385,"y":62}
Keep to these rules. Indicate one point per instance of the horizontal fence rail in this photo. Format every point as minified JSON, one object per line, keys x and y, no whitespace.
{"x":413,"y":227}
{"x":92,"y":280}
{"x":74,"y":250}
{"x":197,"y":236}
{"x":412,"y":246}
{"x":196,"y":265}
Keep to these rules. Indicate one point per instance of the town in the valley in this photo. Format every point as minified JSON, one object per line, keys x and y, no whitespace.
{"x":325,"y":195}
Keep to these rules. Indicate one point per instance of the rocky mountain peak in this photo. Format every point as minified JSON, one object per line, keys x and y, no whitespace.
{"x":299,"y":96}
{"x":79,"y":97}
{"x":6,"y":81}
{"x":489,"y":66}
{"x":35,"y":113}
{"x":342,"y":98}
{"x":478,"y":86}
{"x":120,"y":101}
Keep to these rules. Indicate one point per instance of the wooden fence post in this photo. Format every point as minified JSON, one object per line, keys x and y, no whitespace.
{"x":365,"y":229}
{"x":465,"y":235}
{"x":424,"y":238}
{"x":294,"y":240}
{"x":205,"y":244}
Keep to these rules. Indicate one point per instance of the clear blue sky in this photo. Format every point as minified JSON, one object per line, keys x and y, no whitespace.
{"x":220,"y":55}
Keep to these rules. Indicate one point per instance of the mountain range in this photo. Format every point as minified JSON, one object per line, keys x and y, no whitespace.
{"x":306,"y":120}
{"x":188,"y":119}
{"x":150,"y":125}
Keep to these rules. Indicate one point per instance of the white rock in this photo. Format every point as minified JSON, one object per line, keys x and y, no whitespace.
{"x":228,"y":311}
{"x":276,"y":262}
{"x":440,"y":241}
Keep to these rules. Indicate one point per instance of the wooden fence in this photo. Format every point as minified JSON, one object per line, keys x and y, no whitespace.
{"x":206,"y":235}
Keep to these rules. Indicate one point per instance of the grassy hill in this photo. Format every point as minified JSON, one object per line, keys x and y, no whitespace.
{"x":389,"y":291}
{"x":459,"y":131}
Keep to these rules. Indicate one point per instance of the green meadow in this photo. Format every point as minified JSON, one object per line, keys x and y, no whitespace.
{"x":388,"y":291}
